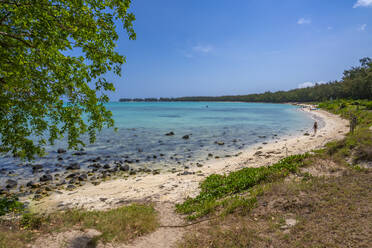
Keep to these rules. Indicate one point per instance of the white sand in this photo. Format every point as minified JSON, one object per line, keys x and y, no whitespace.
{"x":168,"y":187}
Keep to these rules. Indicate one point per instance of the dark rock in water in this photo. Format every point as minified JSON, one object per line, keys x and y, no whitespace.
{"x":83,"y":177}
{"x":72,"y":175}
{"x":210,"y":155}
{"x":36,"y":167}
{"x":140,"y":150}
{"x":94,"y":159}
{"x":220,"y":143}
{"x":59,"y":158}
{"x":72,"y":181}
{"x":3,"y":191}
{"x":128,"y":161}
{"x":199,"y":165}
{"x":124,"y":167}
{"x":70,"y":187}
{"x":264,"y":143}
{"x":186,"y":136}
{"x":10,"y":184}
{"x":132,"y":172}
{"x":185,"y":173}
{"x":46,"y":177}
{"x":31,"y":184}
{"x":39,"y":191}
{"x":155,"y":172}
{"x":61,"y":150}
{"x":106,"y":166}
{"x":257,"y":153}
{"x":61,"y":183}
{"x":170,"y":134}
{"x":154,"y":156}
{"x":79,"y":153}
{"x":96,"y":166}
{"x":47,"y":188}
{"x":37,"y":197}
{"x":262,"y":137}
{"x":73,"y":166}
{"x":306,"y":134}
{"x":186,"y":167}
{"x":161,"y":155}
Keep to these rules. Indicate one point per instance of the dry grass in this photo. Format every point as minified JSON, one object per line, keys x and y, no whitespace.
{"x":13,"y":237}
{"x":330,"y":212}
{"x":120,"y":225}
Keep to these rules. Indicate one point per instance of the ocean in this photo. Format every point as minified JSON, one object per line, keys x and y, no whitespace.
{"x":201,"y":131}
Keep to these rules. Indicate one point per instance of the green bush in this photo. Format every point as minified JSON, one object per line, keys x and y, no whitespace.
{"x":11,"y":204}
{"x":368,"y":105}
{"x":216,"y":186}
{"x":31,"y":221}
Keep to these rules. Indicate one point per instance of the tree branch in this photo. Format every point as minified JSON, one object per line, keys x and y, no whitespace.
{"x":17,"y":38}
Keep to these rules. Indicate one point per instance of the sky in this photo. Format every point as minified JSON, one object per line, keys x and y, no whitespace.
{"x":230,"y":47}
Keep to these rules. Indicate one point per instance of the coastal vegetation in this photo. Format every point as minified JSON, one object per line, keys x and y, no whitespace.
{"x":356,"y":83}
{"x":54,"y":55}
{"x":116,"y":225}
{"x":323,"y":202}
{"x":216,"y":187}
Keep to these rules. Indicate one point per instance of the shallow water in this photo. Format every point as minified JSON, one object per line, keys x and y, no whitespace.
{"x":141,"y":141}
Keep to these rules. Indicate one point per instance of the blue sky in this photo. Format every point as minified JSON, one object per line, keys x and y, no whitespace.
{"x":225,"y":47}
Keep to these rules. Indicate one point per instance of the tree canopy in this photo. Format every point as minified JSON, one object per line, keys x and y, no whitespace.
{"x":53,"y":58}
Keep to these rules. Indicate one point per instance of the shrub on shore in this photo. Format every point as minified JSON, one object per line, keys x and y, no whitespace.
{"x":216,"y":187}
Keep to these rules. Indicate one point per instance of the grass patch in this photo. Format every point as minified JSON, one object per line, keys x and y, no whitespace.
{"x":357,"y":145}
{"x":216,"y":187}
{"x":14,"y":238}
{"x":119,"y":225}
{"x":330,"y":212}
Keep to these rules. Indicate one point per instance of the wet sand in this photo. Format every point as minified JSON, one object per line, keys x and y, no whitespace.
{"x":175,"y":187}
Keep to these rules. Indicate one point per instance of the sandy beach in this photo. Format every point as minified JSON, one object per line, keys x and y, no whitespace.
{"x":175,"y":187}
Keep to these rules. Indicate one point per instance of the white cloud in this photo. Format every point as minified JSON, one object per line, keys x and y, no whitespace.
{"x":309,"y":84}
{"x":203,"y":48}
{"x":363,"y":3}
{"x":362,"y":27}
{"x":303,"y":21}
{"x":306,"y":84}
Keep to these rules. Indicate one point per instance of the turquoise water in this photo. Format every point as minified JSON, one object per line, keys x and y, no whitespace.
{"x":141,"y":141}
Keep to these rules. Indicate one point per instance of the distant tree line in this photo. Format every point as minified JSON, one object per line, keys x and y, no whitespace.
{"x":356,"y":83}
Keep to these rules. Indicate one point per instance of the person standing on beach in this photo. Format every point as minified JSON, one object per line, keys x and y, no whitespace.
{"x":353,"y":123}
{"x":315,"y":127}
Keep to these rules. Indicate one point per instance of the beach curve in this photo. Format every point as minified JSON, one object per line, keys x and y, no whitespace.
{"x":171,"y":187}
